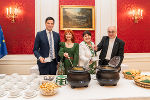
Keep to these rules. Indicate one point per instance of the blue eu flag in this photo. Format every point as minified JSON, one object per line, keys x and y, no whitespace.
{"x":3,"y":49}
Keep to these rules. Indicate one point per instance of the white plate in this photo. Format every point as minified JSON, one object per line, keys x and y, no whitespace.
{"x":15,"y":96}
{"x":6,"y":89}
{"x":28,"y":97}
{"x":3,"y":94}
{"x":22,"y":88}
{"x":2,"y":76}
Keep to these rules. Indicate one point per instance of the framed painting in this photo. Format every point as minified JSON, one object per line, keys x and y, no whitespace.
{"x":77,"y":17}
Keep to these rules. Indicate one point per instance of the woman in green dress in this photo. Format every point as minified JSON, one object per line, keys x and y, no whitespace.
{"x":69,"y":51}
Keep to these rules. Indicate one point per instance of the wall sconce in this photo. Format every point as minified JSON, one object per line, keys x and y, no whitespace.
{"x":12,"y":13}
{"x":137,"y":15}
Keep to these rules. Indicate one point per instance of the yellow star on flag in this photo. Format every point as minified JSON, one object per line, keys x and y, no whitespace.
{"x":3,"y":40}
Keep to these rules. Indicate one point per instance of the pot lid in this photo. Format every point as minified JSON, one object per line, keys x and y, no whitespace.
{"x":114,"y":61}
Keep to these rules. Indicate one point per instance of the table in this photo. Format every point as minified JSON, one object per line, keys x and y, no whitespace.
{"x":124,"y":89}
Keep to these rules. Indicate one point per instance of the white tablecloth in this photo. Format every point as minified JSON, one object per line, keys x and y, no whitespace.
{"x":124,"y":89}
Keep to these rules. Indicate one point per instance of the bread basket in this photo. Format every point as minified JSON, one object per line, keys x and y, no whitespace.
{"x":140,"y":80}
{"x":130,"y":74}
{"x":48,"y":88}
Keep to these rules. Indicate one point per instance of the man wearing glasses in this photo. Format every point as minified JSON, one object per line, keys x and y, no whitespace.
{"x":110,"y":46}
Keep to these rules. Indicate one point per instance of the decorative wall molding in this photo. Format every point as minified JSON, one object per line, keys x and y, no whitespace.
{"x":22,"y":63}
{"x":17,"y":64}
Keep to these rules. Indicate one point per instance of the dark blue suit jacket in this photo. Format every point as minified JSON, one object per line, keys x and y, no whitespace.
{"x":41,"y":45}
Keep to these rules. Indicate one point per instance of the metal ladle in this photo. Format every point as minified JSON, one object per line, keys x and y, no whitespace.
{"x":70,"y":61}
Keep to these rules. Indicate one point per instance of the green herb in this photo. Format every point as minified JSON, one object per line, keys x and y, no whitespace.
{"x":128,"y":73}
{"x":145,"y":81}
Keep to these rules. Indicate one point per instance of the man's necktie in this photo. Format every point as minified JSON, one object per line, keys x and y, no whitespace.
{"x":50,"y":44}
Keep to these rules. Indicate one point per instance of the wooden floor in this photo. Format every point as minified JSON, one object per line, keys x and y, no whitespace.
{"x":22,"y":63}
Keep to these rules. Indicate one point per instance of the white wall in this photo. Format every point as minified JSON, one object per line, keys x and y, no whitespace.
{"x":44,"y":9}
{"x":106,"y":15}
{"x":22,"y":63}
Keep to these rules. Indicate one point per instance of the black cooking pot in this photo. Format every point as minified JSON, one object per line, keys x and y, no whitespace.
{"x":78,"y":78}
{"x":107,"y":75}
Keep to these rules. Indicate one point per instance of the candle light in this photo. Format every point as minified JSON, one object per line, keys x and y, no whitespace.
{"x":133,"y":12}
{"x":7,"y":11}
{"x":141,"y":13}
{"x":15,"y":11}
{"x":137,"y":14}
{"x":10,"y":10}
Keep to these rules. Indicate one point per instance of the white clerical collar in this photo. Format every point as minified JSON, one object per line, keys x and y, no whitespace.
{"x":112,"y":39}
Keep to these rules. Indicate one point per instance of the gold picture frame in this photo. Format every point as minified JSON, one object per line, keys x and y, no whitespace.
{"x":77,"y":17}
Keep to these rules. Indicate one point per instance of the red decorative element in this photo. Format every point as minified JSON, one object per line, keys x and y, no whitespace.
{"x":19,"y":36}
{"x":135,"y":35}
{"x":77,"y":33}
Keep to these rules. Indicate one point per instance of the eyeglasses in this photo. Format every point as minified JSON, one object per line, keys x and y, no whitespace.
{"x":111,"y":31}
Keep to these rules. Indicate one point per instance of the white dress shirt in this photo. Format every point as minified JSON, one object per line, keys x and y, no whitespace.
{"x":110,"y":47}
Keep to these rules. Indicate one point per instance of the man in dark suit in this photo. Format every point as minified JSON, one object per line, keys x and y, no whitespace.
{"x":46,"y":48}
{"x":110,"y":46}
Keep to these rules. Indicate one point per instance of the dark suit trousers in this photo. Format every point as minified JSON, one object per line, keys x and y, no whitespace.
{"x":48,"y":68}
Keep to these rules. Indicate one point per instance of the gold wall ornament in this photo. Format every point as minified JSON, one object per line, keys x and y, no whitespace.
{"x":137,"y":15}
{"x":12,"y":13}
